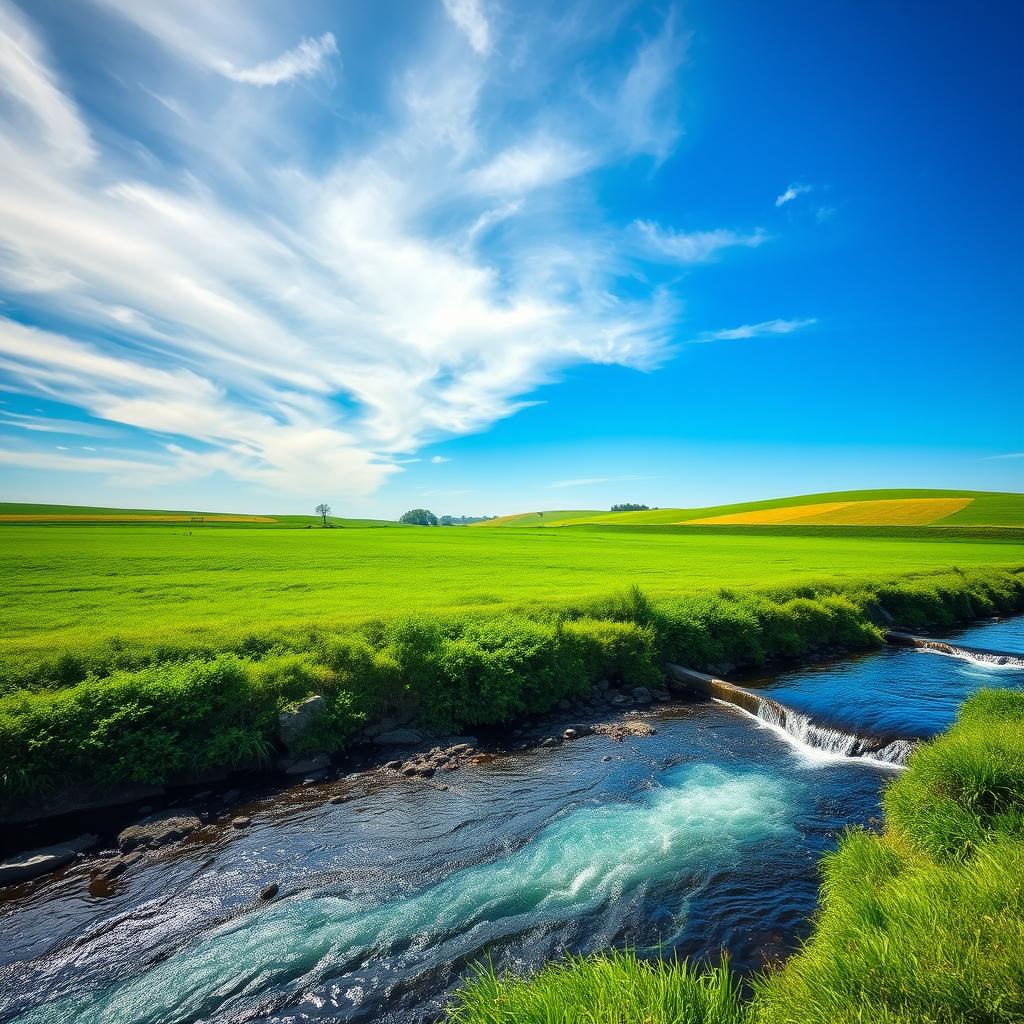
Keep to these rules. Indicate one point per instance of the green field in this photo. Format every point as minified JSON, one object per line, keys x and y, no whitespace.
{"x":14,"y":513}
{"x":149,"y":649}
{"x":983,"y":508}
{"x":66,"y":587}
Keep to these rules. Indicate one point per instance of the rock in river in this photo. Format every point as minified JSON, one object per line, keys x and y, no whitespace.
{"x":294,"y":724}
{"x":32,"y":864}
{"x":157,"y":830}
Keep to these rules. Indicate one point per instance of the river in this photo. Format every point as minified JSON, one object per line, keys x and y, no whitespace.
{"x":703,"y":837}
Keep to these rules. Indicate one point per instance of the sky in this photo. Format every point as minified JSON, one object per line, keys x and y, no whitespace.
{"x":484,"y":256}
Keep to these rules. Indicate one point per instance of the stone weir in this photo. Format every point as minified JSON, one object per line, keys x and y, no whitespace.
{"x":794,"y":726}
{"x":979,"y":654}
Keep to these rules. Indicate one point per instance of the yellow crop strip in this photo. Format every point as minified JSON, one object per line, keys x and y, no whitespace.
{"x":877,"y":512}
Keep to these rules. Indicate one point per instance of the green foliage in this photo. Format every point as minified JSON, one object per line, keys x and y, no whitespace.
{"x":418,"y":517}
{"x":923,"y":924}
{"x":628,"y":506}
{"x":612,"y":988}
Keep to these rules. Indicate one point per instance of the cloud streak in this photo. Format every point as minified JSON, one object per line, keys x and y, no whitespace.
{"x":745,"y":331}
{"x":791,"y":193}
{"x":673,"y":246}
{"x":304,"y":61}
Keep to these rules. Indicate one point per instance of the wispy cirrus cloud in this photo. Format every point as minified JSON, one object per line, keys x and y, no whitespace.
{"x":304,"y":61}
{"x":588,"y":480}
{"x":756,"y":330}
{"x":256,"y":286}
{"x":468,"y":16}
{"x":210,"y":35}
{"x":674,"y":246}
{"x":791,"y":193}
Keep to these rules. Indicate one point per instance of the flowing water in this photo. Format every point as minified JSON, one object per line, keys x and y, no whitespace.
{"x":703,"y":837}
{"x":899,"y":692}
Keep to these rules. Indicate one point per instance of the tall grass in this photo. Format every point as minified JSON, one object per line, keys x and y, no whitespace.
{"x":616,"y":988}
{"x":923,"y":924}
{"x":126,"y":714}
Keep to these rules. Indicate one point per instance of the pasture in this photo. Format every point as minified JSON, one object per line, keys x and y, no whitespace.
{"x":70,"y":588}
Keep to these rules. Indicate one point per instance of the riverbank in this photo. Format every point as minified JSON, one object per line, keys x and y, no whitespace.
{"x":921,"y":923}
{"x":198,"y":718}
{"x":383,"y":888}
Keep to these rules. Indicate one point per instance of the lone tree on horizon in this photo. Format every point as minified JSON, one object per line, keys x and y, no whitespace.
{"x":323,"y":511}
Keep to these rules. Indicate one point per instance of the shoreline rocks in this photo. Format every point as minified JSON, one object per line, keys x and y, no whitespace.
{"x":294,"y":724}
{"x":158,"y":830}
{"x":23,"y":867}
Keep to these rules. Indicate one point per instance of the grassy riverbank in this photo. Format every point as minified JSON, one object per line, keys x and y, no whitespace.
{"x":922,"y":924}
{"x":118,"y":713}
{"x":83,"y":592}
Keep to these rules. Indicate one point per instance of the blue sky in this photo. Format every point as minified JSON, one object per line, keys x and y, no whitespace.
{"x":487,"y":257}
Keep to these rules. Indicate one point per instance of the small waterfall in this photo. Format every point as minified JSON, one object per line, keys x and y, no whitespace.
{"x":796,"y":727}
{"x":1001,"y":659}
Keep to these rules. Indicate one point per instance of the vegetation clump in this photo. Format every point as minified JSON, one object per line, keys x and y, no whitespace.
{"x":418,"y":517}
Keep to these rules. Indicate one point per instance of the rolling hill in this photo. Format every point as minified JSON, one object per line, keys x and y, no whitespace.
{"x":892,"y":507}
{"x":15,"y":513}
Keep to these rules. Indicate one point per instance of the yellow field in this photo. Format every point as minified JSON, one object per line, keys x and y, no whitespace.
{"x":882,"y":512}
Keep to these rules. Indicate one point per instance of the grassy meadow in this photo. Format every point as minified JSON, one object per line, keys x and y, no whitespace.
{"x":144,"y":651}
{"x":66,"y":587}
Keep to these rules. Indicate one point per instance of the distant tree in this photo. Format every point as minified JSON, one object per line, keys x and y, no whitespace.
{"x":419,"y":517}
{"x":323,"y":511}
{"x":628,"y":506}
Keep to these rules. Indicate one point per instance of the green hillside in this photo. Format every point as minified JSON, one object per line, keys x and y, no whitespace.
{"x":18,"y":513}
{"x":895,"y":507}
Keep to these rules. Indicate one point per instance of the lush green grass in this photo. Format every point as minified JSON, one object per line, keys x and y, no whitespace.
{"x":617,"y":988}
{"x":117,"y":712}
{"x":923,"y":924}
{"x":72,"y":589}
{"x":987,"y":508}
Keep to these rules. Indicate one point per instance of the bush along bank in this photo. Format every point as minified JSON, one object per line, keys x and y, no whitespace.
{"x":132,"y":717}
{"x":922,"y":924}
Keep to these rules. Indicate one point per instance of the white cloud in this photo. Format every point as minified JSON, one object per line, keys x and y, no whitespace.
{"x":469,"y":18}
{"x":755,"y":330}
{"x":53,"y":425}
{"x":304,"y":61}
{"x":438,"y":459}
{"x":289,"y":308}
{"x":1008,"y":455}
{"x":31,"y":84}
{"x":661,"y":243}
{"x":791,"y":193}
{"x":202,"y":32}
{"x":585,"y":481}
